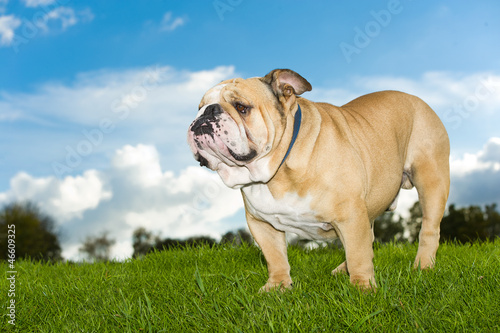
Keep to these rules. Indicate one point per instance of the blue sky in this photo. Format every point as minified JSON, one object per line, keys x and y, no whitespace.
{"x":96,"y":96}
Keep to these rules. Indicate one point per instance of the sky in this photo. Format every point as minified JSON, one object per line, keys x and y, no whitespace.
{"x":96,"y":97}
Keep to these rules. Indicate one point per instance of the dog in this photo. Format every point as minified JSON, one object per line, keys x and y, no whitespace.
{"x":322,"y":171}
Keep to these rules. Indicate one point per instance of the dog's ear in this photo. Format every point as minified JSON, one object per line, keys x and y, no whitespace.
{"x":286,"y":82}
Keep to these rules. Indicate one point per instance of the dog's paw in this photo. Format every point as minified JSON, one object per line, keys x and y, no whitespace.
{"x":279,"y":286}
{"x":424,"y":262}
{"x":364,"y":283}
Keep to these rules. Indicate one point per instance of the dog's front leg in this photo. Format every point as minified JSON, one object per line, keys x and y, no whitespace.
{"x":273,"y":245}
{"x":357,"y":237}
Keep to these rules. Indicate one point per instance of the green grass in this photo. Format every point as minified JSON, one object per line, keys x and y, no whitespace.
{"x":216,"y":290}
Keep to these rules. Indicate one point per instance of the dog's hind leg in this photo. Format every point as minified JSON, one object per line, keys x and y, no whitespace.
{"x":431,"y":177}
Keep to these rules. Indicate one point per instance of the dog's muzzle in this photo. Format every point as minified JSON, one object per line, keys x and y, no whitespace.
{"x":203,"y":124}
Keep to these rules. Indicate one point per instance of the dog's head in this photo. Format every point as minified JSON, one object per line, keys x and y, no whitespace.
{"x":243,"y":127}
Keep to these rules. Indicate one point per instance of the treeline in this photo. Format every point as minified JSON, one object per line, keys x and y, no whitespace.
{"x":36,"y":235}
{"x":144,"y":241}
{"x":462,"y":225}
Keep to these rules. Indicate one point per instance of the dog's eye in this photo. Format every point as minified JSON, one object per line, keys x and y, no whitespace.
{"x":241,"y":108}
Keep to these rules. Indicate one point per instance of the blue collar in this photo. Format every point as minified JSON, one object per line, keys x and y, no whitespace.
{"x":296,"y":127}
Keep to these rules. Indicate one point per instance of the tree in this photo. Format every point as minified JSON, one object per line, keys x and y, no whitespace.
{"x":414,"y":223}
{"x":35,"y":232}
{"x":493,"y":221}
{"x":200,"y":241}
{"x":388,"y":228}
{"x":143,"y":241}
{"x":468,"y":224}
{"x":170,"y":243}
{"x":241,"y":236}
{"x":97,"y":248}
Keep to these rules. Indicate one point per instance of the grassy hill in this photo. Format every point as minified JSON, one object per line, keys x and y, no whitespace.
{"x":216,"y":290}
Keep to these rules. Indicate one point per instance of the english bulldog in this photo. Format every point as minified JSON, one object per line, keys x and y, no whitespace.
{"x":322,"y":171}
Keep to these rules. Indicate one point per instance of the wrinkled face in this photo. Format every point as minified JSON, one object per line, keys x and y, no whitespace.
{"x":235,"y":128}
{"x":243,"y":127}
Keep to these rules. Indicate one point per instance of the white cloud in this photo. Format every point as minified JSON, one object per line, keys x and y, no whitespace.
{"x":154,"y":105}
{"x":486,"y":159}
{"x":476,"y":176}
{"x":132,"y":192}
{"x":67,"y":199}
{"x":170,"y":23}
{"x":455,"y":97}
{"x":63,"y":18}
{"x":145,"y":94}
{"x":196,"y":197}
{"x":142,"y":161}
{"x":8,"y":23}
{"x":60,"y":18}
{"x":406,"y":200}
{"x":491,"y":152}
{"x":37,"y":3}
{"x":65,"y":14}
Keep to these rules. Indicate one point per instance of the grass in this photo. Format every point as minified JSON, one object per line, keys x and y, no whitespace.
{"x":216,"y":290}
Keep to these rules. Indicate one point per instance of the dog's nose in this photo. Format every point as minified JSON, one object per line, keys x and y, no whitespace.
{"x":212,"y":110}
{"x":202,"y":125}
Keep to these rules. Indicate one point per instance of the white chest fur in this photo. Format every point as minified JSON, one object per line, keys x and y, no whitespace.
{"x":290,"y":213}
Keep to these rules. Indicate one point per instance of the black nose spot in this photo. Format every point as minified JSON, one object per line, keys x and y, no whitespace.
{"x":212,"y":111}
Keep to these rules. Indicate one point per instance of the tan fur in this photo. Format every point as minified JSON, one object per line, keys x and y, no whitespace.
{"x":352,"y":160}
